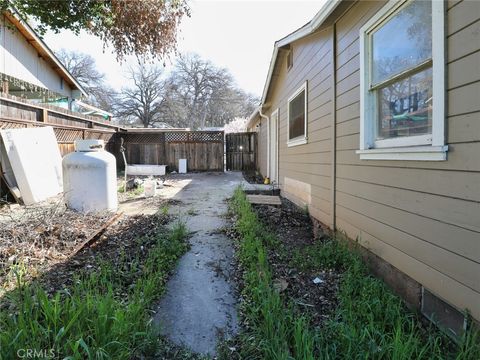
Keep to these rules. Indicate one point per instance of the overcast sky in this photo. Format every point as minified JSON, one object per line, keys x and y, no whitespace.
{"x":237,"y":35}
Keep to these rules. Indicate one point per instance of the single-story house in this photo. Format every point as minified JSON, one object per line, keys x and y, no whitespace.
{"x":29,"y":69}
{"x":370,"y":118}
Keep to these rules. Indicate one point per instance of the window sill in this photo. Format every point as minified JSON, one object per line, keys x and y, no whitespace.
{"x":296,"y":142}
{"x":414,"y":153}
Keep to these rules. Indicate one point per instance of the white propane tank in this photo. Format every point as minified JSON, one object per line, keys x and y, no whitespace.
{"x":90,"y":178}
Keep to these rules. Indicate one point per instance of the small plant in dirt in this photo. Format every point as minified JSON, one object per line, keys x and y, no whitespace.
{"x":103,"y":315}
{"x":369,"y":321}
{"x":139,"y":190}
{"x":192,"y":212}
{"x":164,"y":210}
{"x":328,"y":254}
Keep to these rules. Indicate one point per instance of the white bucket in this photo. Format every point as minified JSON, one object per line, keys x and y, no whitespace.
{"x":150,"y":187}
{"x":182,"y":166}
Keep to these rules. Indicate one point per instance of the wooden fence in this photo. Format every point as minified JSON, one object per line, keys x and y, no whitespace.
{"x":202,"y":149}
{"x":241,"y":151}
{"x":68,"y":126}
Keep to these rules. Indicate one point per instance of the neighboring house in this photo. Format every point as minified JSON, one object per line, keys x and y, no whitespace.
{"x":90,"y":110}
{"x":29,"y":69}
{"x":370,"y":117}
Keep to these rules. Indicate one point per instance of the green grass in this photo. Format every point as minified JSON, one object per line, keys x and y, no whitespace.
{"x":104,"y":315}
{"x":369,"y":323}
{"x":274,"y":332}
{"x":139,"y":190}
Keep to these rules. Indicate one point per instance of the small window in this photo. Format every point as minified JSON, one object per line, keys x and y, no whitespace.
{"x":297,"y":117}
{"x":290,"y":59}
{"x":402,"y":88}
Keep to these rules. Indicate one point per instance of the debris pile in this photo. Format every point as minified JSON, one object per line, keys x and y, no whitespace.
{"x":35,"y":237}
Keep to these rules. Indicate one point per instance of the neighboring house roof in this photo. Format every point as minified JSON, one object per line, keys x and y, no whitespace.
{"x":43,"y":50}
{"x":153,"y":130}
{"x":326,"y":10}
{"x":92,"y":110}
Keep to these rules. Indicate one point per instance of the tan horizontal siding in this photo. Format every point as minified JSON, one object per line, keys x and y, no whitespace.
{"x":452,"y":3}
{"x":463,"y":42}
{"x":462,"y":15}
{"x":440,"y":284}
{"x":436,"y":207}
{"x":309,"y":163}
{"x":465,"y":99}
{"x":464,"y":71}
{"x":456,"y":184}
{"x":388,"y":224}
{"x":422,"y":217}
{"x":349,"y":112}
{"x":464,"y":128}
{"x":430,"y":232}
{"x":348,"y":127}
{"x":262,"y":144}
{"x":461,"y":156}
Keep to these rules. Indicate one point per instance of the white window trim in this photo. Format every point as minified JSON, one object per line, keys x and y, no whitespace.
{"x":299,"y":140}
{"x":426,"y":147}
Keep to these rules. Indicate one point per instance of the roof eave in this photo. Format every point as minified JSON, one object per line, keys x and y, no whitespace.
{"x":42,"y":48}
{"x":313,"y":25}
{"x":253,"y":117}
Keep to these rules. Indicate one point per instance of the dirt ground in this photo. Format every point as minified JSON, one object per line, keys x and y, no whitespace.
{"x":253,"y":177}
{"x":294,"y":231}
{"x":44,"y":238}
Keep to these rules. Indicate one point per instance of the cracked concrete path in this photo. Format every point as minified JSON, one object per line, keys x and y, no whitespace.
{"x":199,"y":307}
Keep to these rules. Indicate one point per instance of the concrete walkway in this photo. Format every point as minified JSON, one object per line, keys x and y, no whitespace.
{"x":199,"y":307}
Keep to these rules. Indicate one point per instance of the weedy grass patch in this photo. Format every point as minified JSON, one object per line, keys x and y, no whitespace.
{"x":369,"y":323}
{"x":104,"y":315}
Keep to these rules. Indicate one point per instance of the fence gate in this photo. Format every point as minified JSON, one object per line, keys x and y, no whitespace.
{"x":241,"y":151}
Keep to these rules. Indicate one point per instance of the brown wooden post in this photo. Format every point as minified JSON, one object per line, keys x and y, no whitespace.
{"x":44,"y":116}
{"x":222,"y":162}
{"x":163,"y":149}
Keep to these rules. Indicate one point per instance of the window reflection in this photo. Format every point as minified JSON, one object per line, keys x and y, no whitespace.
{"x":297,"y":116}
{"x":405,"y":107}
{"x":403,"y":42}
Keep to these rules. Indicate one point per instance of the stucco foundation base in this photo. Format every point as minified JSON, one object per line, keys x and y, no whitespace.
{"x":299,"y":193}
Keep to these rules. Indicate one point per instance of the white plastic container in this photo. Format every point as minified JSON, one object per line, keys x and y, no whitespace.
{"x":182,"y":166}
{"x":150,"y":186}
{"x":90,"y":178}
{"x":147,"y":170}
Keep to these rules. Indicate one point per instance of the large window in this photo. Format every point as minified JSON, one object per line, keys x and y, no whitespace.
{"x":402,"y":86}
{"x":297,"y":117}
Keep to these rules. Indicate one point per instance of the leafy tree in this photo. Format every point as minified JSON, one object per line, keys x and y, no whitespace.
{"x":83,"y":68}
{"x":143,"y":28}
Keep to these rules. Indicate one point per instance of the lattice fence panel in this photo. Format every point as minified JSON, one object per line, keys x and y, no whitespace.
{"x":68,"y":135}
{"x":11,"y":125}
{"x":176,"y":136}
{"x":98,"y":135}
{"x":199,"y":136}
{"x":141,"y":138}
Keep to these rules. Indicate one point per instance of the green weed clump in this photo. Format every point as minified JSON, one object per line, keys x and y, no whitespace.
{"x":104,"y":315}
{"x":275,"y":333}
{"x":369,"y":323}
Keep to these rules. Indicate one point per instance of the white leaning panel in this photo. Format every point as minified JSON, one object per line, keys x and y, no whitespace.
{"x":35,"y":160}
